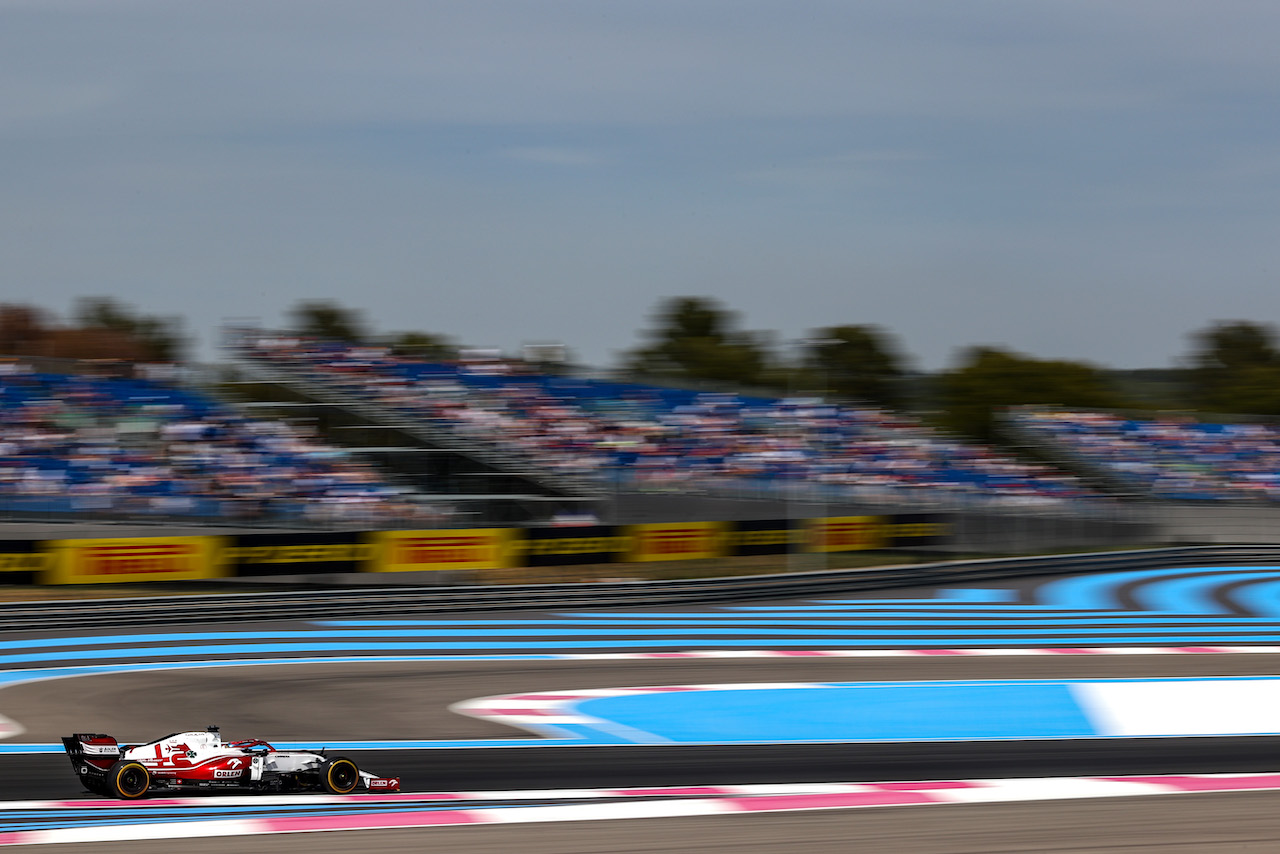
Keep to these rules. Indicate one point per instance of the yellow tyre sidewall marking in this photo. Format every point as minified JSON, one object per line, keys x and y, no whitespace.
{"x":354,"y":782}
{"x":115,"y":780}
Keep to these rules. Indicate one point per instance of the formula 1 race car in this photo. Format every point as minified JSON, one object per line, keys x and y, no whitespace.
{"x":202,"y":761}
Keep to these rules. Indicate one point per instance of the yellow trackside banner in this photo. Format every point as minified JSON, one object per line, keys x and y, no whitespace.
{"x":685,"y":541}
{"x":846,"y":533}
{"x":133,"y":560}
{"x":422,"y":551}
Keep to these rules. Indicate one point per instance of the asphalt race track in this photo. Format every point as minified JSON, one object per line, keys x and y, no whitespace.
{"x":1215,"y":823}
{"x":397,"y":700}
{"x":299,"y":700}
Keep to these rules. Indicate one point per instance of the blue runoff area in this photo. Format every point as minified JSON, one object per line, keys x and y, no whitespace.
{"x":779,"y":714}
{"x":1199,"y":607}
{"x":852,"y":712}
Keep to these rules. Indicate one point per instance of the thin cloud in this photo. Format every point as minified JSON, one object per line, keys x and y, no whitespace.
{"x":501,"y":170}
{"x":555,"y":156}
{"x":850,"y":167}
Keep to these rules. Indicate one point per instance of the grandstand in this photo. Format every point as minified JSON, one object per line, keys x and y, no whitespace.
{"x":123,"y":447}
{"x":333,"y":435}
{"x":475,"y":475}
{"x":1167,"y":457}
{"x":584,"y":439}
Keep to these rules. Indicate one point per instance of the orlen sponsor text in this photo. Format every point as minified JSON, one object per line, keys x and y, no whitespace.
{"x":139,"y":560}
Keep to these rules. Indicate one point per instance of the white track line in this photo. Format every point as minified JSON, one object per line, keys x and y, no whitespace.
{"x":657,"y":803}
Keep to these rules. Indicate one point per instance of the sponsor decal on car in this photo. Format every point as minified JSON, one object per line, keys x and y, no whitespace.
{"x":99,"y":749}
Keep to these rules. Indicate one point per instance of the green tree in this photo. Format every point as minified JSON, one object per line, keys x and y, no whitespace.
{"x":422,"y":345}
{"x":329,"y":321}
{"x":989,"y":379}
{"x":24,"y":330}
{"x":159,"y":339}
{"x":855,"y":362}
{"x":1235,"y":368}
{"x":695,"y":339}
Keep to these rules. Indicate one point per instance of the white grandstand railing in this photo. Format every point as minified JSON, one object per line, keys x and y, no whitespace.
{"x":432,"y":432}
{"x":596,"y":477}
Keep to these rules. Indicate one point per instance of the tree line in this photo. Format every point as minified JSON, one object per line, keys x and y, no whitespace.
{"x":1232,"y":367}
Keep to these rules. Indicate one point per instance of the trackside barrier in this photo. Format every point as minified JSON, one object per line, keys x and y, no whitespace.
{"x":454,"y":549}
{"x":471,"y":551}
{"x":134,"y":560}
{"x":401,"y":601}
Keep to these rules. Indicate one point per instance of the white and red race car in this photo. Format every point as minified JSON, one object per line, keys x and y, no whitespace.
{"x":203,"y":761}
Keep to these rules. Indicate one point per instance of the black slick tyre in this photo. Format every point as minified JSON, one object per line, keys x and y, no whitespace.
{"x":128,"y":780}
{"x":339,"y":776}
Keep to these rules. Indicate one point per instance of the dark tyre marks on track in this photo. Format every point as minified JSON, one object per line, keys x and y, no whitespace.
{"x":1195,"y":824}
{"x":409,"y":700}
{"x":50,"y":776}
{"x":1185,"y":824}
{"x":299,"y":715}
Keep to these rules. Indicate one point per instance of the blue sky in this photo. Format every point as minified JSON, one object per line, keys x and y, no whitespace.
{"x":1084,"y":180}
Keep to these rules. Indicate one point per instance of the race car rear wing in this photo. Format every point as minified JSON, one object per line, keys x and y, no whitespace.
{"x":94,"y":748}
{"x":92,"y":755}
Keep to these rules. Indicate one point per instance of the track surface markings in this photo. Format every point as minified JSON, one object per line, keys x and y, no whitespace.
{"x":572,"y":729}
{"x":762,"y":713}
{"x":1203,"y":607}
{"x":1207,"y":610}
{"x":50,"y":822}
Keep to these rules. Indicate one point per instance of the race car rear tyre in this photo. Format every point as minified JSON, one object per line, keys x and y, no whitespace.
{"x":339,"y":776}
{"x":128,"y":780}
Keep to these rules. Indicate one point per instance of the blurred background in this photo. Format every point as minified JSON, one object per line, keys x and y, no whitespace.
{"x":327,"y":423}
{"x":418,"y":266}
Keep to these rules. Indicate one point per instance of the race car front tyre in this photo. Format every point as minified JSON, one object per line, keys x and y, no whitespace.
{"x":339,"y":776}
{"x":128,"y":780}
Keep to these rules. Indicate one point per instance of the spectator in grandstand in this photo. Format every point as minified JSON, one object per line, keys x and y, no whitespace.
{"x":1166,"y":457}
{"x":72,"y":443}
{"x":660,"y":437}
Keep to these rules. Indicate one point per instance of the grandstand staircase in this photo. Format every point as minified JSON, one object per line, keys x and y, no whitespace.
{"x":1098,"y":477}
{"x":301,"y":385}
